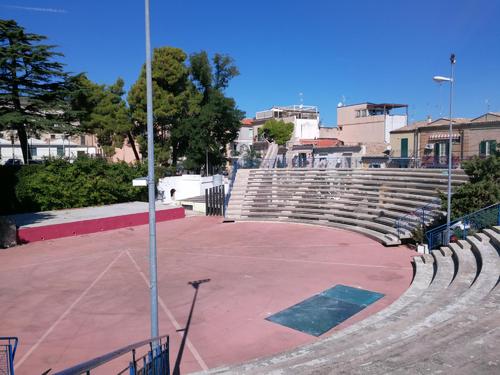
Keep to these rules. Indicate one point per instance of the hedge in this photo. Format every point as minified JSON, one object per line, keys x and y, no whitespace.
{"x":59,"y":184}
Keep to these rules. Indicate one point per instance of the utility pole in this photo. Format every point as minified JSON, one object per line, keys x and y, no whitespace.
{"x":450,"y":151}
{"x":151,"y":184}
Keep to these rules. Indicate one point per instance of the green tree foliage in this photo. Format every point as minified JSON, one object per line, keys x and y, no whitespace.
{"x":482,"y":190}
{"x":58,"y":184}
{"x":33,"y":85}
{"x":174,"y":99}
{"x":218,"y":121}
{"x":277,"y":131}
{"x":192,"y":116}
{"x":103,"y":112}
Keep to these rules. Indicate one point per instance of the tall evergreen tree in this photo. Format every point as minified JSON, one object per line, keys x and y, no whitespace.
{"x":192,"y":115}
{"x":174,"y":100}
{"x":103,"y":111}
{"x":33,"y":85}
{"x":218,"y":120}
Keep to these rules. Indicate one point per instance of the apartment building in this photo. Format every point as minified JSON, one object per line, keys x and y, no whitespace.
{"x":369,"y":123}
{"x":427,"y":142}
{"x":47,"y":145}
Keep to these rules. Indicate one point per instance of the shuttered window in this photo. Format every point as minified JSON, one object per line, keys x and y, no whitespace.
{"x":488,"y":147}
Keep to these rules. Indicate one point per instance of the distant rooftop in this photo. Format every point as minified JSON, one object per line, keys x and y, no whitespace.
{"x":290,"y":110}
{"x":247,"y":121}
{"x":443,"y":121}
{"x":370,"y":105}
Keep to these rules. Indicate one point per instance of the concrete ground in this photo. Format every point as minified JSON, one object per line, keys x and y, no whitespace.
{"x":44,"y":218}
{"x":72,"y":299}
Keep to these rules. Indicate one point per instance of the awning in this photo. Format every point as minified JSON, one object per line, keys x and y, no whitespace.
{"x":441,"y":136}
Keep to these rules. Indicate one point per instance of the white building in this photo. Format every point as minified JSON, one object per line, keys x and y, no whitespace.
{"x":305,"y":119}
{"x":52,"y":145}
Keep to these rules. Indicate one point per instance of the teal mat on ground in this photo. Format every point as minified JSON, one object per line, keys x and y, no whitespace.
{"x":322,"y":312}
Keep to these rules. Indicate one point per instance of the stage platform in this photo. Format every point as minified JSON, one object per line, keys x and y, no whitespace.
{"x":47,"y":225}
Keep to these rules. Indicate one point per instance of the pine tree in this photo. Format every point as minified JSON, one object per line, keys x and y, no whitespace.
{"x":103,"y":111}
{"x":33,"y":85}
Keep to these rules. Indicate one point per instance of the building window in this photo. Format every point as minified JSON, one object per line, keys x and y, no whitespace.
{"x":487,"y":148}
{"x":33,"y":151}
{"x":441,"y":152}
{"x":52,"y":136}
{"x":60,"y":151}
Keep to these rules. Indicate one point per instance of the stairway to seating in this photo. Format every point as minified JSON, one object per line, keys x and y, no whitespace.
{"x":368,"y":201}
{"x":446,"y":322}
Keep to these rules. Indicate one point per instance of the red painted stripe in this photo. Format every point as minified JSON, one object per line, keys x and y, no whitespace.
{"x":49,"y":232}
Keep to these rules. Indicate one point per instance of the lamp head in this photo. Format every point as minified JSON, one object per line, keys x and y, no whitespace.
{"x":441,"y":79}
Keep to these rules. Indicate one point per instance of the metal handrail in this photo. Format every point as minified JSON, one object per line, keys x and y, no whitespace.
{"x":403,"y":218}
{"x":464,"y":219}
{"x":86,"y":366}
{"x":11,"y":351}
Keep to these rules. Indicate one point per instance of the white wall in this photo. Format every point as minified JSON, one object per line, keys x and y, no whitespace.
{"x":393,"y":122}
{"x":44,"y":152}
{"x":306,"y":128}
{"x":187,"y":186}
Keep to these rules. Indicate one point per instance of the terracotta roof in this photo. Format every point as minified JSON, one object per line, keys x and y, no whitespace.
{"x":490,"y":116}
{"x":424,"y":123}
{"x":247,"y":121}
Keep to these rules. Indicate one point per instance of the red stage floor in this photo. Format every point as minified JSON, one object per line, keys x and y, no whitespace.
{"x":72,"y":299}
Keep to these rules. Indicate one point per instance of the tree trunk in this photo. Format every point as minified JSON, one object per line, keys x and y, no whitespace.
{"x":132,"y":144}
{"x":174,"y":155}
{"x":23,"y":140}
{"x":21,"y":130}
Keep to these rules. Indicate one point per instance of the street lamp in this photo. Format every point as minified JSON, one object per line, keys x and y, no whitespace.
{"x":451,"y":80}
{"x":151,"y":183}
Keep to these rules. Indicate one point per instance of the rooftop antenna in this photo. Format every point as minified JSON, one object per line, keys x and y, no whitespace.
{"x":301,"y":98}
{"x":487,"y":101}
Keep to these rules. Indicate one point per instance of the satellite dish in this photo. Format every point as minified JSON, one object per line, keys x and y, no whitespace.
{"x":340,"y":105}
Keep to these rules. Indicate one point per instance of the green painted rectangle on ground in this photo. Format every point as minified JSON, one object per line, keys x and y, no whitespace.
{"x":320,"y":313}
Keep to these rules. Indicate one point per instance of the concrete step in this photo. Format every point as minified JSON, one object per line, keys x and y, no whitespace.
{"x":444,"y":318}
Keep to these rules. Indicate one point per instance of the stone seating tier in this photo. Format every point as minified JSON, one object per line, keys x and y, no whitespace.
{"x":446,"y":322}
{"x":365,"y":201}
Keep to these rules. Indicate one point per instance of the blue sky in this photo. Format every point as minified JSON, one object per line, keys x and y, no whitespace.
{"x":378,"y":51}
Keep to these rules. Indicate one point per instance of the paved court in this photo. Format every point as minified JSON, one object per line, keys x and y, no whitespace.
{"x":71,"y":299}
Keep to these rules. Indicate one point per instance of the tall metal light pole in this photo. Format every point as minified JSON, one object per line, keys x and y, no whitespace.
{"x":451,"y":80}
{"x":151,"y":183}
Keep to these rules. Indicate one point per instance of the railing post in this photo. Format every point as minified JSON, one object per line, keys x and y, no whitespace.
{"x":206,"y":202}
{"x":11,"y":360}
{"x":498,"y":214}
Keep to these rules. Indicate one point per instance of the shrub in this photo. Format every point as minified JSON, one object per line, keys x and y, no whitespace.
{"x":483,"y":189}
{"x":58,"y":184}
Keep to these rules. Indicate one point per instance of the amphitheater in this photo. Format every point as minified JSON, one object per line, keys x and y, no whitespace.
{"x":446,"y":322}
{"x":75,"y":298}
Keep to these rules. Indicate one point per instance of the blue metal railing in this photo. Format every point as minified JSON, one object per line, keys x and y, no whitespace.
{"x":463,"y":226}
{"x":8,"y":346}
{"x":409,"y":221}
{"x":318,"y":162}
{"x":154,"y":362}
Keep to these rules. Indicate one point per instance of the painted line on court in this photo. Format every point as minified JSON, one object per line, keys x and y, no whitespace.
{"x":171,"y":317}
{"x":289,"y":260}
{"x":65,"y":259}
{"x":66,"y":312}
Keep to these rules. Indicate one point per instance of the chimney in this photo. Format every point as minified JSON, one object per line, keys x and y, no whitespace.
{"x":429,"y":119}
